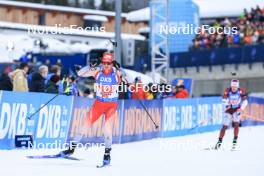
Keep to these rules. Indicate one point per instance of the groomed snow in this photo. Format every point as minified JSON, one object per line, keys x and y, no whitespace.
{"x":150,"y":158}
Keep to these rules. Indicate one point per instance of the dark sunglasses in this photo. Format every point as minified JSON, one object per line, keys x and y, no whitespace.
{"x":106,"y":63}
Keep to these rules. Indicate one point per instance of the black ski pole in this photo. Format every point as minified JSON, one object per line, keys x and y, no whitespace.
{"x":145,"y":108}
{"x":29,"y":117}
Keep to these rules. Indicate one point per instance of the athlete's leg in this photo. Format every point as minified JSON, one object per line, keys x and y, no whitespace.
{"x":236,"y":120}
{"x":226,"y":121}
{"x":108,"y":126}
{"x":108,"y":129}
{"x":94,"y":113}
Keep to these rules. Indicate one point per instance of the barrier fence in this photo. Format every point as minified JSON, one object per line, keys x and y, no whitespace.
{"x":60,"y":120}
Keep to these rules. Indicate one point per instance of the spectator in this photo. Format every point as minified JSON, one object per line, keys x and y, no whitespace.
{"x":5,"y":82}
{"x":150,"y":94}
{"x":236,"y":39}
{"x":181,"y":92}
{"x":137,"y":90}
{"x":38,"y":79}
{"x":248,"y":39}
{"x":73,"y":86}
{"x":250,"y":31}
{"x":52,"y":85}
{"x":19,"y":78}
{"x":8,"y":69}
{"x":54,"y":70}
{"x":162,"y":92}
{"x":255,"y":37}
{"x":47,"y":62}
{"x":70,"y":86}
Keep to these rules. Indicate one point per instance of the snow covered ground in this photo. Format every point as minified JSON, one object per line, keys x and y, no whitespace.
{"x":157,"y":157}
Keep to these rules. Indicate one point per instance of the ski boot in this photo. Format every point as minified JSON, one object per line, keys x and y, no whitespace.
{"x":107,"y":157}
{"x":234,"y":145}
{"x":218,"y":144}
{"x":69,"y":151}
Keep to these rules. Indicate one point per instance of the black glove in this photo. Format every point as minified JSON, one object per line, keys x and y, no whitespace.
{"x":116,"y":64}
{"x":96,"y":63}
{"x":228,"y":107}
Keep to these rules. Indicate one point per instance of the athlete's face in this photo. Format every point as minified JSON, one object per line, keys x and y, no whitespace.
{"x":107,"y":66}
{"x":234,"y":89}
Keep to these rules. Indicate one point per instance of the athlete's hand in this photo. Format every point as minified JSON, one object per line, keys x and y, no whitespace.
{"x":228,"y":107}
{"x":239,"y":110}
{"x":96,"y":63}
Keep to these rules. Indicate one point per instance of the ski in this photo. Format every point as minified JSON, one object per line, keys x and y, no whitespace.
{"x":52,"y":157}
{"x":43,"y":156}
{"x":103,"y":165}
{"x":234,"y":148}
{"x":71,"y":158}
{"x":210,"y":148}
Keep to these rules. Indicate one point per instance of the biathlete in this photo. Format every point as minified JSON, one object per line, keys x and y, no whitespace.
{"x":107,"y":77}
{"x":235,"y":102}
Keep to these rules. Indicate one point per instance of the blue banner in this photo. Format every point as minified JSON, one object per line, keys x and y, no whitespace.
{"x":61,"y":119}
{"x":253,"y":114}
{"x":49,"y":126}
{"x":137,"y":124}
{"x":218,"y":56}
{"x":183,"y":17}
{"x":187,"y":116}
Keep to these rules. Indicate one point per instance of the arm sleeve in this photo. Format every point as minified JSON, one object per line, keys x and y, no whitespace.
{"x":225,"y":100}
{"x":244,"y":99}
{"x":118,"y":77}
{"x":225,"y":96}
{"x":244,"y":104}
{"x":88,"y":71}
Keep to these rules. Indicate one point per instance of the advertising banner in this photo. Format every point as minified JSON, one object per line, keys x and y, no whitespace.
{"x":253,"y":114}
{"x":60,"y":120}
{"x":192,"y":115}
{"x":137,"y":124}
{"x":50,"y":125}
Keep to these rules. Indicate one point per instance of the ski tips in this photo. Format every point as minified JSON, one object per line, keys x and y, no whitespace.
{"x":103,"y":165}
